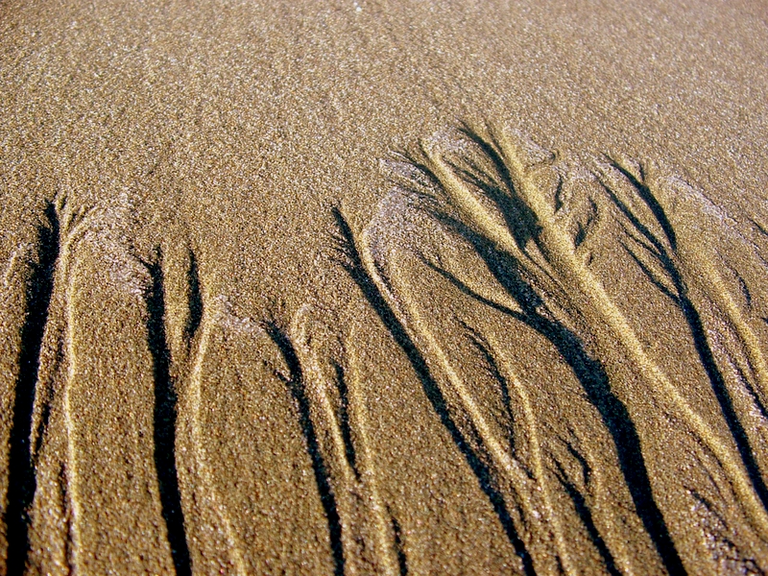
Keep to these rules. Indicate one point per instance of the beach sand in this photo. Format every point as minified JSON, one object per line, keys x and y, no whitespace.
{"x":383,"y":287}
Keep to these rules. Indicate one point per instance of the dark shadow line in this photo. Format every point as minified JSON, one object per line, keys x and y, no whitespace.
{"x":717,"y":381}
{"x":484,"y":348}
{"x":194,"y":299}
{"x":594,"y":381}
{"x":650,"y":201}
{"x":650,"y":275}
{"x":695,"y":324}
{"x":295,"y":384}
{"x":585,"y":515}
{"x":354,"y":266}
{"x":346,"y":429}
{"x":21,"y":473}
{"x":753,"y":392}
{"x":760,"y":228}
{"x":743,"y":287}
{"x":165,"y":416}
{"x":402,"y":559}
{"x":584,"y":228}
{"x":586,"y":469}
{"x":406,"y":157}
{"x":657,"y":248}
{"x":45,"y":399}
{"x":520,"y":219}
{"x":66,"y":504}
{"x":651,"y":250}
{"x":464,"y":289}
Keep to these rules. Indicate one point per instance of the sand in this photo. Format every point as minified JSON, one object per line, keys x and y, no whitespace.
{"x":383,"y":287}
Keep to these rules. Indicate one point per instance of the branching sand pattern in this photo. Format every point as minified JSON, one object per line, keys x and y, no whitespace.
{"x":508,"y":201}
{"x":335,"y":421}
{"x":497,"y":273}
{"x":66,"y":227}
{"x":46,"y":344}
{"x":46,"y":486}
{"x":367,"y":532}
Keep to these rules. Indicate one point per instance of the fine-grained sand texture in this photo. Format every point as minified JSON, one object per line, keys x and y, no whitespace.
{"x":383,"y":287}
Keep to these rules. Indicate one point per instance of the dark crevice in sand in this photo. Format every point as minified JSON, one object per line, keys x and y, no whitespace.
{"x":295,"y":383}
{"x":585,"y":515}
{"x":667,"y":258}
{"x":743,"y":287}
{"x":648,"y":272}
{"x":195,"y":299}
{"x":753,"y":393}
{"x":724,"y":398}
{"x":594,"y":381}
{"x":21,"y":472}
{"x":515,"y":276}
{"x":650,"y":200}
{"x":402,"y":559}
{"x":506,"y":398}
{"x":66,"y":504}
{"x":346,"y":430}
{"x":350,"y":260}
{"x":44,"y":396}
{"x":165,"y":415}
{"x":520,"y":219}
{"x":760,"y":228}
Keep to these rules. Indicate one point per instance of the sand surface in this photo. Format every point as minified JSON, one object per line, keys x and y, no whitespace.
{"x":383,"y":287}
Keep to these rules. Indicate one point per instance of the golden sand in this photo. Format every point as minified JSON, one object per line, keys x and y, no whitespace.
{"x":383,"y":287}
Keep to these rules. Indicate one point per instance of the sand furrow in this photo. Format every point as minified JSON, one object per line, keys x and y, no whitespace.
{"x":165,"y":417}
{"x":744,"y":474}
{"x":37,"y":297}
{"x":525,"y":263}
{"x":565,"y":554}
{"x":365,"y":526}
{"x":338,"y":455}
{"x":559,"y":251}
{"x":294,"y":380}
{"x":388,"y":544}
{"x":78,"y":451}
{"x":505,"y":469}
{"x":195,"y":405}
{"x":362,"y":267}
